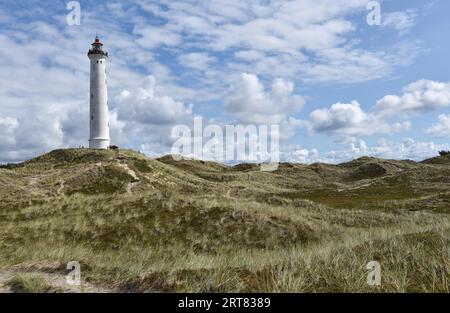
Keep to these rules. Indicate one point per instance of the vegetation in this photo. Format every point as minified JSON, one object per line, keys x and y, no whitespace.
{"x":138,"y":225}
{"x":30,"y":284}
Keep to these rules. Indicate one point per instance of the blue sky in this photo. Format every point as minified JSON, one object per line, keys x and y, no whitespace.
{"x":338,"y":88}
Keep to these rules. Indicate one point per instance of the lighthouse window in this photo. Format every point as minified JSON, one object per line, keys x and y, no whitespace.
{"x":92,"y":117}
{"x":92,"y":95}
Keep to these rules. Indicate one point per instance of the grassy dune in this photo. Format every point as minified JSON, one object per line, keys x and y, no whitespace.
{"x":144,"y":225}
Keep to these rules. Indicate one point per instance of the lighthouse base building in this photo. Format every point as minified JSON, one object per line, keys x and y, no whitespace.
{"x":99,"y":119}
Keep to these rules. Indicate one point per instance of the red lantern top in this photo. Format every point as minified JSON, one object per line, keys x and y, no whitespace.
{"x":97,"y":48}
{"x":97,"y":42}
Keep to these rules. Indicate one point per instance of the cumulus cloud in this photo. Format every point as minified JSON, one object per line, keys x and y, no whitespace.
{"x":353,"y":149}
{"x":40,"y":129}
{"x":338,"y":117}
{"x":301,"y":155}
{"x":442,"y":128}
{"x":7,"y":127}
{"x":349,"y":119}
{"x":249,"y":102}
{"x":408,"y":149}
{"x":356,"y":148}
{"x":146,"y":117}
{"x":45,"y":103}
{"x":142,"y":105}
{"x":419,"y":97}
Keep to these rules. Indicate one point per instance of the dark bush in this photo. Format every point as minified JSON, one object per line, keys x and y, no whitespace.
{"x":11,"y":166}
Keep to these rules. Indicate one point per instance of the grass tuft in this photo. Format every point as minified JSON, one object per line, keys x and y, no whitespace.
{"x":27,"y":283}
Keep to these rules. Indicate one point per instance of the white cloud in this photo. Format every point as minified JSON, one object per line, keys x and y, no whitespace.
{"x":401,"y":21}
{"x":196,"y":60}
{"x":346,"y":65}
{"x":355,"y":148}
{"x":349,"y":119}
{"x":418,"y":97}
{"x":44,"y":86}
{"x":442,"y":128}
{"x":153,"y":37}
{"x":339,"y":116}
{"x":145,"y":117}
{"x":7,"y":127}
{"x":308,"y":40}
{"x":249,"y":55}
{"x":249,"y":102}
{"x":408,"y":149}
{"x":303,"y":155}
{"x":42,"y":128}
{"x":144,"y":106}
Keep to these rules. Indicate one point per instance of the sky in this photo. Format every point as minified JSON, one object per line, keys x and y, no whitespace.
{"x":338,"y":87}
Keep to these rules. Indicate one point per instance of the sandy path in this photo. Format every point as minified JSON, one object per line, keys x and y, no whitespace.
{"x":55,"y":280}
{"x":132,"y":173}
{"x":61,"y":188}
{"x":4,"y":278}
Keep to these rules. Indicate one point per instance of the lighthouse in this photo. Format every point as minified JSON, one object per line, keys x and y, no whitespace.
{"x":99,"y":121}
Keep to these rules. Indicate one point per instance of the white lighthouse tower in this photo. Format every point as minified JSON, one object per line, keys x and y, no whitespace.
{"x":99,"y":121}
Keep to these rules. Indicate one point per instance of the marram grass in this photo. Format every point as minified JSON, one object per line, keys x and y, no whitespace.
{"x":204,"y":227}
